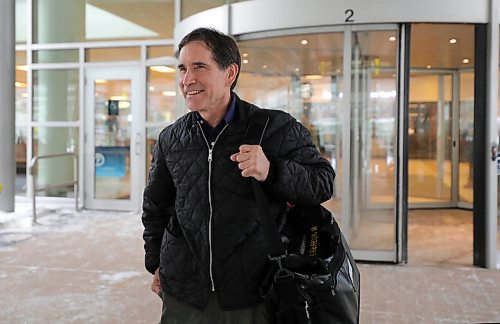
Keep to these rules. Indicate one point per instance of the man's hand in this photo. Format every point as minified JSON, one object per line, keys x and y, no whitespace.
{"x":252,"y":162}
{"x":155,"y":285}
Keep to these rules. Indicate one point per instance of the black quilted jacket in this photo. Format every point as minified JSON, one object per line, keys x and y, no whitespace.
{"x":200,"y":220}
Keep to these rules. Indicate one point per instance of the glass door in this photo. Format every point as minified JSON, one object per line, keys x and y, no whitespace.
{"x":342,"y":84}
{"x":372,"y":212}
{"x":114,"y":146}
{"x":430,"y":139}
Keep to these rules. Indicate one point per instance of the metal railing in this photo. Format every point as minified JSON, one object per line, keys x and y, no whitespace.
{"x":32,"y":169}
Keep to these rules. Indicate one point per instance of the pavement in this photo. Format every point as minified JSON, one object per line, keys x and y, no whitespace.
{"x":87,"y":267}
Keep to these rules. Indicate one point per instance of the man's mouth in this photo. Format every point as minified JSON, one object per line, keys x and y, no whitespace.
{"x":193,"y":92}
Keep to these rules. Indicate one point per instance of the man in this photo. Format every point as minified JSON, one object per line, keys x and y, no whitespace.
{"x":203,"y":239}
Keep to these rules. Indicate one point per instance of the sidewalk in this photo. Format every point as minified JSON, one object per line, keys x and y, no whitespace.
{"x":87,"y":267}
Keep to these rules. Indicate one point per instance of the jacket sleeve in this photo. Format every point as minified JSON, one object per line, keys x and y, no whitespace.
{"x":298,"y":173}
{"x":158,"y":207}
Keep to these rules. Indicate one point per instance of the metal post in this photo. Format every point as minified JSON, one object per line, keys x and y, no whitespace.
{"x":7,"y":108}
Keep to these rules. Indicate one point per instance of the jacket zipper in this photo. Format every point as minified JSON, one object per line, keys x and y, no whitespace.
{"x":210,"y":150}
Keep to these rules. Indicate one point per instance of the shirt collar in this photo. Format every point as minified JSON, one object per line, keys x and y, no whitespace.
{"x":230,"y":111}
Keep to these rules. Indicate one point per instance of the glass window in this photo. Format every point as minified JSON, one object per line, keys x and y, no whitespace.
{"x":21,"y":35}
{"x":161,"y":94}
{"x":190,"y":7}
{"x":55,"y":95}
{"x":113,"y":54}
{"x":21,"y":84}
{"x":79,"y":20}
{"x":160,"y":51}
{"x":55,"y":56}
{"x":55,"y":140}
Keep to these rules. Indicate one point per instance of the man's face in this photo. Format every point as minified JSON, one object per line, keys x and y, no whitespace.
{"x":204,"y":85}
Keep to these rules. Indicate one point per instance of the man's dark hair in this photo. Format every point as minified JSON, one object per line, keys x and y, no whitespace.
{"x":224,"y":49}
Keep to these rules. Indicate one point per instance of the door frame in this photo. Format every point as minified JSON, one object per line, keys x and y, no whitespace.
{"x":137,"y":138}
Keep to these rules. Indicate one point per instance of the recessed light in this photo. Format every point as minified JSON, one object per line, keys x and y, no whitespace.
{"x":304,"y":42}
{"x":453,"y":41}
{"x":264,"y":66}
{"x":429,"y":66}
{"x":465,"y":60}
{"x":245,"y":54}
{"x":392,"y":38}
{"x":297,"y":69}
{"x":245,"y":61}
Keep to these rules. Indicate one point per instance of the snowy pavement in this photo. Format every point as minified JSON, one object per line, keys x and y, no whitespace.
{"x":87,"y":267}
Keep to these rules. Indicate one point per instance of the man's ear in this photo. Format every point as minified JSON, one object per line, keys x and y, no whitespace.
{"x":231,"y":72}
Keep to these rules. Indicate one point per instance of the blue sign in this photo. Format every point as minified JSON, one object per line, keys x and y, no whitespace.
{"x":110,"y":161}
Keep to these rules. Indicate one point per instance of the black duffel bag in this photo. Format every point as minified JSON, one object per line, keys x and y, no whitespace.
{"x":314,"y":278}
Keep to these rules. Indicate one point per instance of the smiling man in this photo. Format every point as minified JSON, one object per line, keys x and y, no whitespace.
{"x":204,"y":241}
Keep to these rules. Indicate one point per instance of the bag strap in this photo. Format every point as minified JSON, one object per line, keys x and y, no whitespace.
{"x":254,"y":135}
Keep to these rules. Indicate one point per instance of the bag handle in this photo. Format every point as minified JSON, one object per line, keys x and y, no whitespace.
{"x":254,"y":135}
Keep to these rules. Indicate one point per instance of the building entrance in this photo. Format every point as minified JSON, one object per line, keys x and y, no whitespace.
{"x":114,"y":147}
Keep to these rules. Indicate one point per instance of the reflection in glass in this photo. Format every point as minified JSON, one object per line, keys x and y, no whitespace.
{"x":161,"y":94}
{"x":55,"y":140}
{"x":55,"y":95}
{"x":373,"y":126}
{"x":113,"y":120}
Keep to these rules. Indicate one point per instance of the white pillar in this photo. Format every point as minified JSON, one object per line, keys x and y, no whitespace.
{"x":491,"y":189}
{"x":7,"y":108}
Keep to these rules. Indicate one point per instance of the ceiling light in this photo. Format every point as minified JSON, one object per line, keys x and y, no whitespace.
{"x":392,"y":38}
{"x":22,"y":67}
{"x":162,"y":69}
{"x":465,"y":60}
{"x":20,"y":84}
{"x":304,"y":42}
{"x":313,"y":77}
{"x":245,"y":61}
{"x":100,"y":81}
{"x":168,"y":93}
{"x":297,"y":69}
{"x":453,"y":41}
{"x":429,"y":66}
{"x":264,"y":66}
{"x":245,"y":54}
{"x":151,"y":88}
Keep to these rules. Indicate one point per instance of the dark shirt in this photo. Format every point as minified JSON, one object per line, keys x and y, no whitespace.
{"x":211,"y":133}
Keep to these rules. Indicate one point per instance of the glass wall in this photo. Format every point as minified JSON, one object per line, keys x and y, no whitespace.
{"x":21,"y":121}
{"x":466,"y":141}
{"x":55,"y":95}
{"x":93,"y":20}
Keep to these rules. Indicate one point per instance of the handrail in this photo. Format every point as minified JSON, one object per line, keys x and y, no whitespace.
{"x":32,"y":169}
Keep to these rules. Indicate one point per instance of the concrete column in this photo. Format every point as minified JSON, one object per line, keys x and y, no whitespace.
{"x":7,"y":108}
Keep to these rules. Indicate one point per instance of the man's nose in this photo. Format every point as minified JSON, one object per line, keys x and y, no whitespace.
{"x":188,"y":78}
